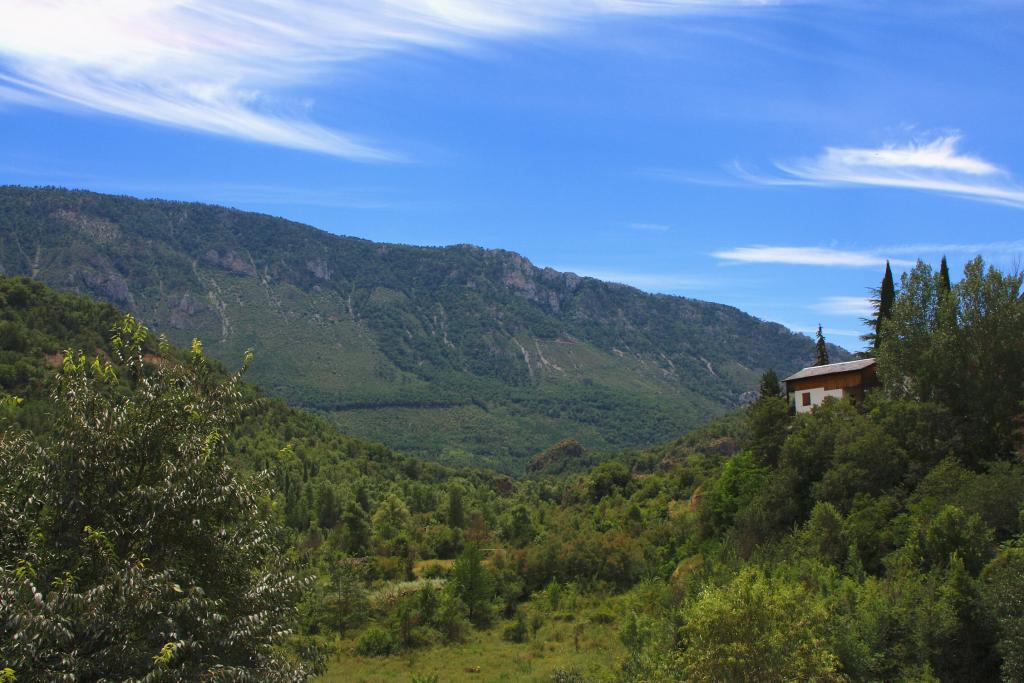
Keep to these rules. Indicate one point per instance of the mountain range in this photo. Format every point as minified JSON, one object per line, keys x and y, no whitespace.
{"x":469,"y":355}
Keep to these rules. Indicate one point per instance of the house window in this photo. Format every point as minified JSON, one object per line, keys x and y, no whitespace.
{"x":807,"y":398}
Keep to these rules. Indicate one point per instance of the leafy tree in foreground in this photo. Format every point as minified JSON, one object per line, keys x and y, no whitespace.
{"x":130,"y":550}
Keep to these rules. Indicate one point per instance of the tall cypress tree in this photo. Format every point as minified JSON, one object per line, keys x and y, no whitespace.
{"x":945,"y":286}
{"x":886,"y":298}
{"x":821,"y":348}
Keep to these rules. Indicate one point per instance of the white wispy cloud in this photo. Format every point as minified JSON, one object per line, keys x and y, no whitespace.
{"x":875,"y":257}
{"x":232,"y":67}
{"x":829,"y":332}
{"x":652,"y":282}
{"x":805,"y":256}
{"x":934,"y":165}
{"x":845,"y":305}
{"x":969,"y":248}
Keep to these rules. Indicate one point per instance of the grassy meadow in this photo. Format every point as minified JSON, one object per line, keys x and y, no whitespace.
{"x":585,"y":639}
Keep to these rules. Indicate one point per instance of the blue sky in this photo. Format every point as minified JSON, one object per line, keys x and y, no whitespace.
{"x":768,"y":155}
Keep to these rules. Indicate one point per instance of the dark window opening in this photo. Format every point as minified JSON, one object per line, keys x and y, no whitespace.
{"x":807,"y":398}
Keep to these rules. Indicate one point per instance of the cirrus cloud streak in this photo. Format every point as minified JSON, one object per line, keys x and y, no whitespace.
{"x":845,"y":305}
{"x":826,"y":256}
{"x":805,"y":256}
{"x":232,"y":67}
{"x":934,"y":165}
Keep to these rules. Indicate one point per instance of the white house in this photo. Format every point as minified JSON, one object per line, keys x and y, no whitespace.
{"x":809,"y":387}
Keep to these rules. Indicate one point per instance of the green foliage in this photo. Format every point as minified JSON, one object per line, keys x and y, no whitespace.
{"x":769,"y":422}
{"x":36,"y":326}
{"x":770,"y":387}
{"x":339,"y":604}
{"x":823,"y":535}
{"x":863,"y":541}
{"x":951,"y":532}
{"x":1003,"y":592}
{"x":883,"y":301}
{"x":570,"y":675}
{"x":518,"y":630}
{"x":452,"y":617}
{"x":945,"y":285}
{"x":756,"y":628}
{"x":741,"y":479}
{"x":553,"y":595}
{"x":960,"y":350}
{"x":520,"y":529}
{"x":473,"y":584}
{"x":562,"y":457}
{"x":139,"y":549}
{"x":607,"y":478}
{"x":375,"y":642}
{"x":456,"y":513}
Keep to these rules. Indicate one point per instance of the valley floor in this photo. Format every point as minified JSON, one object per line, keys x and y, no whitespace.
{"x":486,"y":658}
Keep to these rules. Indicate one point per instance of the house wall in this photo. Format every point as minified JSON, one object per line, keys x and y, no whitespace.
{"x":838,"y":385}
{"x":839,"y":380}
{"x":818,"y":394}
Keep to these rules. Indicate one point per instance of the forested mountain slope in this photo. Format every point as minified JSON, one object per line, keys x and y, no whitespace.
{"x":150,"y":498}
{"x":316,"y":468}
{"x":864,"y":541}
{"x":457,"y":352}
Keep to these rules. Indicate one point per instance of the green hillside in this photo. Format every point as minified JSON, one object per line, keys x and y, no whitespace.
{"x":158,"y":510}
{"x":460,"y":353}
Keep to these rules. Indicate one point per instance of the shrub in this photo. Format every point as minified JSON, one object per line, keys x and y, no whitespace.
{"x":375,"y":642}
{"x":452,"y":618}
{"x":755,"y":628}
{"x":434,"y":571}
{"x":1001,"y":582}
{"x":570,"y":675}
{"x":517,"y":631}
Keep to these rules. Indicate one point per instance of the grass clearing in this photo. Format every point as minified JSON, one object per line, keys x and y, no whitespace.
{"x":566,"y":640}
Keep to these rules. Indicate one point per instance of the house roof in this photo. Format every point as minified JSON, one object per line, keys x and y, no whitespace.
{"x":832,"y":369}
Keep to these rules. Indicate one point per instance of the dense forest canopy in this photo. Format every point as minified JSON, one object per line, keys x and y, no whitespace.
{"x":872,"y":540}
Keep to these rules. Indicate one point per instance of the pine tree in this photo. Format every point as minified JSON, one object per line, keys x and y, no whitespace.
{"x":770,"y":385}
{"x":456,"y":513}
{"x":945,"y":286}
{"x":357,"y":529}
{"x":471,"y":582}
{"x":328,"y":508}
{"x":821,"y":349}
